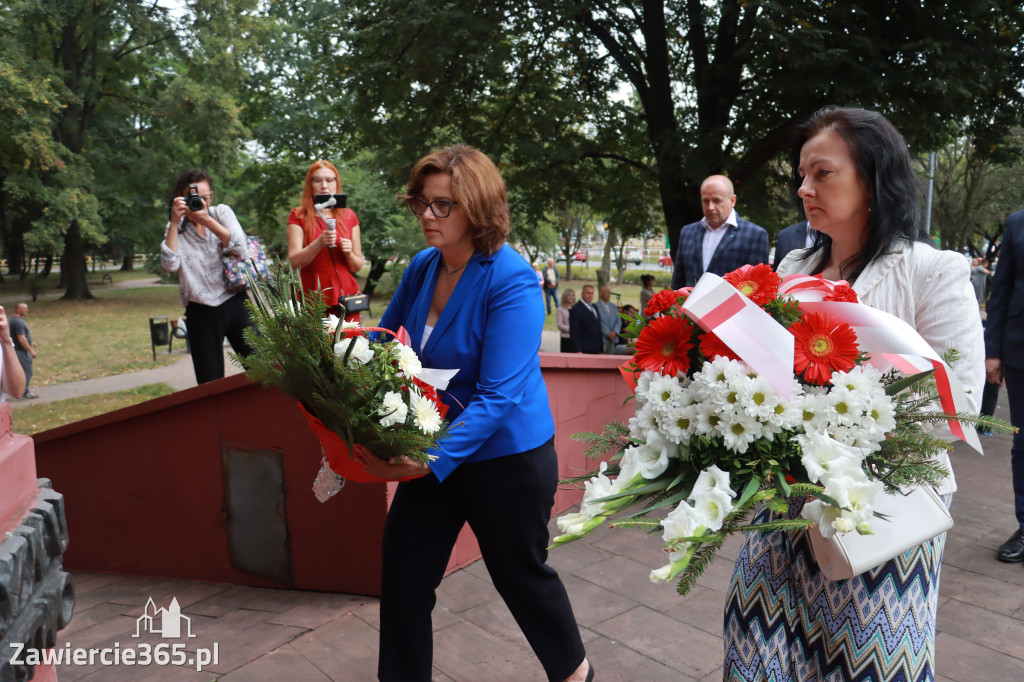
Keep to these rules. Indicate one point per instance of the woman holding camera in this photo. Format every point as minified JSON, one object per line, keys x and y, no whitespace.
{"x":196,"y":236}
{"x":327,"y":254}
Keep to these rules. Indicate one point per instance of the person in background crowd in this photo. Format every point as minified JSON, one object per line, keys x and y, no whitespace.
{"x":1004,"y":361}
{"x":562,"y":320}
{"x":470,"y":301}
{"x":791,"y":238}
{"x":611,"y":323}
{"x":584,"y":324}
{"x":12,"y":377}
{"x":194,"y":241}
{"x":979,"y":278}
{"x":328,"y":253}
{"x":647,"y":281}
{"x":24,"y":347}
{"x":551,"y":284}
{"x":784,"y":619}
{"x":721,"y":241}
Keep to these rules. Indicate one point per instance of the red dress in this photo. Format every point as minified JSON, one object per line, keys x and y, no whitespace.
{"x":329,"y":267}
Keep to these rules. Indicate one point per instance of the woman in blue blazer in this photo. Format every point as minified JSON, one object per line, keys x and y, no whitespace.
{"x":470,"y":302}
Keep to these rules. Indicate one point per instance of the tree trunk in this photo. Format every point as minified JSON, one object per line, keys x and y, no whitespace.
{"x":128,"y":262}
{"x":47,"y":265}
{"x":373,"y":276}
{"x":73,"y":265}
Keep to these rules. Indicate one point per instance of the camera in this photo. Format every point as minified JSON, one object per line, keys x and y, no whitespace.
{"x":193,"y":200}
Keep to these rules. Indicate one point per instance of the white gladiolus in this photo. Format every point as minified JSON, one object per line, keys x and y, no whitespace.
{"x":823,"y":454}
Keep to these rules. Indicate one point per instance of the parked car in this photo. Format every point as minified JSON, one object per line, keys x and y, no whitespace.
{"x":580,"y":255}
{"x":635,"y":256}
{"x":665,"y":261}
{"x":560,"y":257}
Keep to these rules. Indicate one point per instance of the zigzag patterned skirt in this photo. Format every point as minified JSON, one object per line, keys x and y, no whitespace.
{"x":785,"y":622}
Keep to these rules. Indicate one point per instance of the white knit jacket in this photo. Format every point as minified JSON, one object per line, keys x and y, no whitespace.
{"x":931,"y":291}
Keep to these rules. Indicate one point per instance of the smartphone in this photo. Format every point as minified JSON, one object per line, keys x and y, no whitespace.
{"x":339,"y":199}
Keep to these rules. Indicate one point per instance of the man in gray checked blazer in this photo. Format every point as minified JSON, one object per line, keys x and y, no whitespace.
{"x":721,"y":241}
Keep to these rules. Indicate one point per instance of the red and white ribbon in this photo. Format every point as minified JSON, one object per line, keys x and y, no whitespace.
{"x":890,"y":342}
{"x":751,"y":333}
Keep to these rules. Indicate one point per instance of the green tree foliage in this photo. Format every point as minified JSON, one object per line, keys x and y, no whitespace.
{"x":974,"y":192}
{"x":679,"y":89}
{"x":143,"y":94}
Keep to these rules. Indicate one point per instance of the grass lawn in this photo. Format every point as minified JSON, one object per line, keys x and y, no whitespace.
{"x":101,"y":337}
{"x":35,"y":418}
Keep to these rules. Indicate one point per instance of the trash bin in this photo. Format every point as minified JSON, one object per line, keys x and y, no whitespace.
{"x":159,"y":332}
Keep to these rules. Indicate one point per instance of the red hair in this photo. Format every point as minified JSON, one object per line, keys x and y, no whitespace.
{"x":307,"y":214}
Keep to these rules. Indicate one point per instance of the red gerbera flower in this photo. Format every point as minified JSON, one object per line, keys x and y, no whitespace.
{"x":664,"y":345}
{"x":759,"y":282}
{"x":662,"y":301}
{"x":823,"y":345}
{"x":843,"y":293}
{"x":712,"y":347}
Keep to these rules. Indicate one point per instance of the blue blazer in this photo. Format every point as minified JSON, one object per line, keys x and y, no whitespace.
{"x":789,"y":239}
{"x":744,"y":244}
{"x":490,"y":330}
{"x":1004,"y":313}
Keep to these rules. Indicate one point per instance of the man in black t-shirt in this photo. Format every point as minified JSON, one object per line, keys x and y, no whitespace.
{"x":23,"y":345}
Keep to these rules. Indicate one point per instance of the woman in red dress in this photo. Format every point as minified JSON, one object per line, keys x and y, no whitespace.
{"x":327,"y":259}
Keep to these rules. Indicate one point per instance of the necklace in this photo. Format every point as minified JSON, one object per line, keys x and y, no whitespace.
{"x":452,"y":272}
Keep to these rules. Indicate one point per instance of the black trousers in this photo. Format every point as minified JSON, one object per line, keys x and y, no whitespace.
{"x":507,"y":502}
{"x":207,"y":326}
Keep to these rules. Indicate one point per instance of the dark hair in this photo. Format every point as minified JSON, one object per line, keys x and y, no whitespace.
{"x":192,"y":176}
{"x":644,"y":279}
{"x":476,"y":186}
{"x":883,"y":162}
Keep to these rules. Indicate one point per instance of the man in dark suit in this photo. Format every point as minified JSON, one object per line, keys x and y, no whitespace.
{"x":721,"y":241}
{"x":790,"y":239}
{"x":584,"y":324}
{"x":1004,"y":337}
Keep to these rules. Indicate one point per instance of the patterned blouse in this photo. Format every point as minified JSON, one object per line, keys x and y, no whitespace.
{"x":198,"y":259}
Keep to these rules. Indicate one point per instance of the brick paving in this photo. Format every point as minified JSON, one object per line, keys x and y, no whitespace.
{"x":634,"y":630}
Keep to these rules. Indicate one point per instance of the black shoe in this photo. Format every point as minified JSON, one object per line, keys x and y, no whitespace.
{"x":1012,"y":550}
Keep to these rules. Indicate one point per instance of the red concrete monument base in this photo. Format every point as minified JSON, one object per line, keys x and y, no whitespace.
{"x":215,"y":483}
{"x":36,"y":595}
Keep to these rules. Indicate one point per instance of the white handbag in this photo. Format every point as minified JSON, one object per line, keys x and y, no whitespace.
{"x":913,"y":518}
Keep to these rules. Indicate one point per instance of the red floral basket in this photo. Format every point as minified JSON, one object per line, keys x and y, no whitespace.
{"x":338,"y":454}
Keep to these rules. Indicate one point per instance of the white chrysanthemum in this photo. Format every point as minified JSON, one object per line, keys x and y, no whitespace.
{"x":424,"y":412}
{"x":860,"y":379}
{"x":708,"y":420}
{"x":361,"y":351}
{"x":643,"y":421}
{"x":643,"y":384}
{"x":813,"y":411}
{"x":393,"y":409}
{"x":759,"y":398}
{"x":665,"y":393}
{"x":653,"y":455}
{"x":331,"y":323}
{"x":739,"y":430}
{"x":680,"y":425}
{"x":846,"y":407}
{"x":408,"y":361}
{"x":882,"y":414}
{"x":822,"y":455}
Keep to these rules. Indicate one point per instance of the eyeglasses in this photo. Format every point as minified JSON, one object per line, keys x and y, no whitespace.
{"x":441,"y":208}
